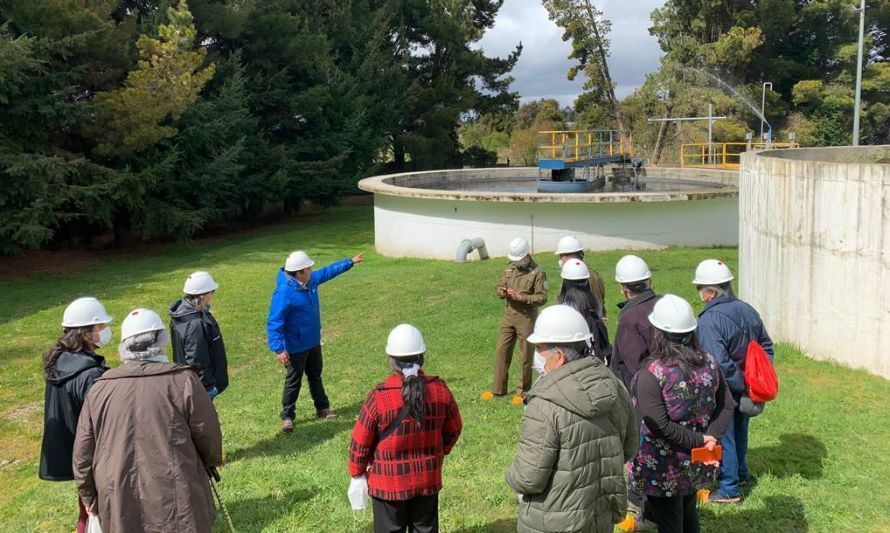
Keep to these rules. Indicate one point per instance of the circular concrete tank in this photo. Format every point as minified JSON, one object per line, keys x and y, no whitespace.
{"x":814,"y":250}
{"x":428,"y":214}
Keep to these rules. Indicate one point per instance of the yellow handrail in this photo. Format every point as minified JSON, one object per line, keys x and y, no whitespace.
{"x":577,"y":145}
{"x":721,"y":155}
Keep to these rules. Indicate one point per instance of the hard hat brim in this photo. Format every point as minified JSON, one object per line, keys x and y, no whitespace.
{"x":299,"y":267}
{"x":660,"y":327}
{"x":98,"y":320}
{"x":718,"y":281}
{"x":141,"y":331}
{"x":633,"y":280}
{"x":517,"y":257}
{"x":543,"y":339}
{"x":214,"y":287}
{"x":399,"y":355}
{"x":569,"y":251}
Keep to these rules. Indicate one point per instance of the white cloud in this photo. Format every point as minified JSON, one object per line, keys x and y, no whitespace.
{"x":541,"y":70}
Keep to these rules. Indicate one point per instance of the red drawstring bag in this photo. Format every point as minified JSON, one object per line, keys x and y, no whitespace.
{"x":760,"y":376}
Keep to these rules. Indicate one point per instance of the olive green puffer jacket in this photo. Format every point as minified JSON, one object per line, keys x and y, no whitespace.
{"x":577,"y":432}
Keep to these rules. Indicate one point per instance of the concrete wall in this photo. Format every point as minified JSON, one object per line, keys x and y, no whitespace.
{"x":422,"y":215}
{"x":814,"y":250}
{"x":414,"y":227}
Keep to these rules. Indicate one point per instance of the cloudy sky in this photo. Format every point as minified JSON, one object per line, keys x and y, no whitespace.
{"x":541,"y":71}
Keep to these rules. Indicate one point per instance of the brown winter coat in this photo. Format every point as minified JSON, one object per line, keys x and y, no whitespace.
{"x":145,"y":435}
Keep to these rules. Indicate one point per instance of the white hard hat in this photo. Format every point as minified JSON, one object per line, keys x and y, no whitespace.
{"x":199,"y":282}
{"x":405,"y":341}
{"x":712,"y":272}
{"x":568,"y":245}
{"x":631,"y":268}
{"x":518,"y":249}
{"x":86,"y":311}
{"x":140,"y":321}
{"x":559,"y":324}
{"x":574,"y":269}
{"x":673,"y":315}
{"x":298,"y":261}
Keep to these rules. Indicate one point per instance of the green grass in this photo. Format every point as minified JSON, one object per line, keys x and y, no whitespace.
{"x":820,"y":453}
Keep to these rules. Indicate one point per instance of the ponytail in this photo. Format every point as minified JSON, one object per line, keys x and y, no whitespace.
{"x":413,"y":388}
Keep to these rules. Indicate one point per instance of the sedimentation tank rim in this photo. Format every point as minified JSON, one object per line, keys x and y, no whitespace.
{"x":785,"y":153}
{"x":380,"y":185}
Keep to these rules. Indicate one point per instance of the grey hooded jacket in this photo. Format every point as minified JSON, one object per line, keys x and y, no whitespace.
{"x":578,"y":431}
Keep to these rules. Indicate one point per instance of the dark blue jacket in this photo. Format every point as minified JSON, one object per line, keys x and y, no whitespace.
{"x":724,"y":329}
{"x":294,"y":322}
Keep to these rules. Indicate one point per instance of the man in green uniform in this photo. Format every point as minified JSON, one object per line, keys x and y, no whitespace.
{"x":524,"y":288}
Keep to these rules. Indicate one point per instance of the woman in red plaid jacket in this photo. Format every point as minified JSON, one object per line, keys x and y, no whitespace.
{"x":408,"y":424}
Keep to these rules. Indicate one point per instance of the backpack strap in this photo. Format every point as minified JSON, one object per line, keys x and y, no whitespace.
{"x":403,"y":413}
{"x":395,"y":424}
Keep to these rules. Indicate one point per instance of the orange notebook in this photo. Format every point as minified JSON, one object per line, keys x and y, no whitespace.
{"x":703,"y":455}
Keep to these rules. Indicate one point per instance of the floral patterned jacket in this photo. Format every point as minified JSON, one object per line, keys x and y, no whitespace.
{"x":663,"y":466}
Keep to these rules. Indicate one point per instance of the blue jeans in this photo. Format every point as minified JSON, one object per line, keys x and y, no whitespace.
{"x":734,"y":466}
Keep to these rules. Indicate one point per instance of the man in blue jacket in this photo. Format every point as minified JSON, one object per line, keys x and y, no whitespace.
{"x":294,"y":331}
{"x":725,"y":328}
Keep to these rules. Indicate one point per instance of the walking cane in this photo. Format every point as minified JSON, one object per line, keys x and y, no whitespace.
{"x":214,"y":477}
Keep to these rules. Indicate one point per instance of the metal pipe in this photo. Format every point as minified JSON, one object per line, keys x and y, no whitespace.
{"x":763,"y":105}
{"x":859,"y":75}
{"x":468,"y":245}
{"x":710,"y":130}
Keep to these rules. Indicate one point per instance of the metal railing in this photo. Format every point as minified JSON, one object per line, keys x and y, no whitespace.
{"x":578,"y":145}
{"x":722,"y":155}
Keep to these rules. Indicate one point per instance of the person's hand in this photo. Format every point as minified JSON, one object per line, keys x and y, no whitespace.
{"x":358,"y":259}
{"x":284,"y":358}
{"x":502,"y":291}
{"x":710,"y":442}
{"x":91,"y":508}
{"x":605,"y":319}
{"x":513,"y":295}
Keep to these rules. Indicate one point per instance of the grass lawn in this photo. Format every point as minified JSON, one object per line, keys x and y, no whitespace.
{"x":819,"y":453}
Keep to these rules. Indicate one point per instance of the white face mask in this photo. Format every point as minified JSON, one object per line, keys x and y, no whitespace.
{"x":359,"y":497}
{"x":104,"y":336}
{"x":539,"y":363}
{"x":561,"y":262}
{"x":701,"y":294}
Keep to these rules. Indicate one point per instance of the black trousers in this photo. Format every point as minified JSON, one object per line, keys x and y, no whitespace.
{"x":639,"y":500}
{"x":310,"y":363}
{"x":420,"y":515}
{"x":674,"y":515}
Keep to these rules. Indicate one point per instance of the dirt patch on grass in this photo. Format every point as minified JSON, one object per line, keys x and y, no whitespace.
{"x":29,"y":414}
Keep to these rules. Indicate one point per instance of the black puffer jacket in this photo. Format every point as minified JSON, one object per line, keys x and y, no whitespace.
{"x":197,"y":341}
{"x":66,"y":391}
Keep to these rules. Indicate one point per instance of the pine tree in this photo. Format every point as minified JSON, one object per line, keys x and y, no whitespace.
{"x":166,"y":82}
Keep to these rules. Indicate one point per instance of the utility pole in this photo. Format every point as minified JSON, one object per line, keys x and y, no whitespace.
{"x":859,"y":74}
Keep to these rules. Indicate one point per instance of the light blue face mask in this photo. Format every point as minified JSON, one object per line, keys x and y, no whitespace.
{"x":104,"y":336}
{"x":539,"y":363}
